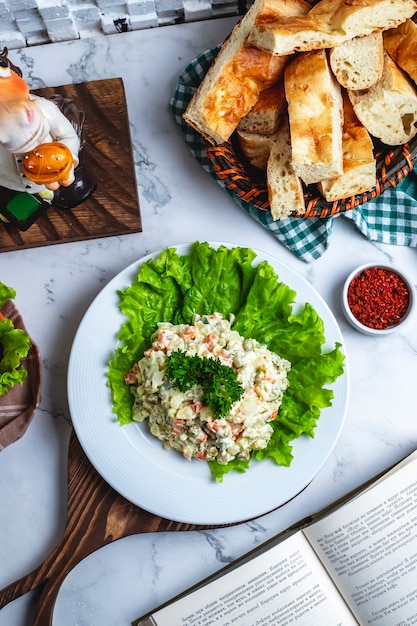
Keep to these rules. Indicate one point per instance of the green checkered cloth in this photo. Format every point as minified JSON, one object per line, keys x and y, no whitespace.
{"x":391,"y":218}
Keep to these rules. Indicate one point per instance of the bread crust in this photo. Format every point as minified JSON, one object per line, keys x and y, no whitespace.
{"x":359,"y":165}
{"x":388,"y":109}
{"x":256,"y":147}
{"x":237,"y":76}
{"x":401,"y":45}
{"x":265,"y":114}
{"x":358,"y":63}
{"x":316,"y":116}
{"x":285,"y":191}
{"x":328,"y":24}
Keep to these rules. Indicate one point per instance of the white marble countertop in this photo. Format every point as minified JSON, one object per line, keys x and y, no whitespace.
{"x":55,"y":284}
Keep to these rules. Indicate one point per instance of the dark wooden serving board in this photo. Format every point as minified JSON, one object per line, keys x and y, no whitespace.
{"x":97,"y":515}
{"x":113,"y":209}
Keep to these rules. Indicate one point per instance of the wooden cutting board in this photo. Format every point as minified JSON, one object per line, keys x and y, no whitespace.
{"x":113,"y":209}
{"x":96,"y":516}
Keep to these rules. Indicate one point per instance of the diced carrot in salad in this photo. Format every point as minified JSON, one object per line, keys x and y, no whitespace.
{"x":181,"y":420}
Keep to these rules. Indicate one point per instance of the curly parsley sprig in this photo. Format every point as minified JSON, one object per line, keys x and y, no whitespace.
{"x":219,"y":382}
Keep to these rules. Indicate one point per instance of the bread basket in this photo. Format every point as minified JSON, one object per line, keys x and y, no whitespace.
{"x":247,"y":184}
{"x":231,"y":167}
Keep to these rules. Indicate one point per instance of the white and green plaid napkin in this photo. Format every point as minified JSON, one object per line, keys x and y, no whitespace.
{"x":391,"y":218}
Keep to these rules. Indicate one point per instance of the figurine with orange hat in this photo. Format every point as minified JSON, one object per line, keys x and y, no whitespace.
{"x":39,"y":150}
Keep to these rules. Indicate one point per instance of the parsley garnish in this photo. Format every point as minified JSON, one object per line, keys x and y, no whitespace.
{"x":219,"y":382}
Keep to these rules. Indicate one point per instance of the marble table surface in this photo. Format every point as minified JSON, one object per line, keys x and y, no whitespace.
{"x":55,"y":285}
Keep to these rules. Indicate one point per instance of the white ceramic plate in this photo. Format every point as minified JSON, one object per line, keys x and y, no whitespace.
{"x":162,"y":482}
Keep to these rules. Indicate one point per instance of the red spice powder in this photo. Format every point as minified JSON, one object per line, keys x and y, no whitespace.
{"x":378,"y":297}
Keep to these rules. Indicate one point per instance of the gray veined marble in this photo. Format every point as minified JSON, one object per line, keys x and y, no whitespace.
{"x":55,"y":285}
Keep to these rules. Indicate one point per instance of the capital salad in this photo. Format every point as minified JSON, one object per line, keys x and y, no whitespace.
{"x":216,"y":360}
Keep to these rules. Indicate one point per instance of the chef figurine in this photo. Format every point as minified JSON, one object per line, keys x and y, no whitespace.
{"x":39,"y":151}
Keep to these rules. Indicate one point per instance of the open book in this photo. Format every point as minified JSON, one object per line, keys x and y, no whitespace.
{"x":355,"y":565}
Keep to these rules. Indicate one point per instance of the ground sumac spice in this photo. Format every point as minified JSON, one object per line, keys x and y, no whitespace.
{"x":378,"y":297}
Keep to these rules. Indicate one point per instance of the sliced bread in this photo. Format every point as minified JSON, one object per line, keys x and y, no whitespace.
{"x":238,"y":74}
{"x":388,"y":109}
{"x":264,"y":116}
{"x":358,"y":63}
{"x":285,"y":191}
{"x":401,"y":45}
{"x":255,"y":146}
{"x":328,"y":24}
{"x":359,"y":165}
{"x":315,"y":113}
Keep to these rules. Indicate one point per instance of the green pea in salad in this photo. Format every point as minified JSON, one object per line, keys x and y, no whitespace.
{"x":218,"y":362}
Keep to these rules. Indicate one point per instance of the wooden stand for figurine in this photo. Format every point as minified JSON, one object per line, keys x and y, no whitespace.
{"x":113,"y":209}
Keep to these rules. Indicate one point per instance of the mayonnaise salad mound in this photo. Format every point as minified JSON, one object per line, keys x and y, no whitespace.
{"x":180,"y":419}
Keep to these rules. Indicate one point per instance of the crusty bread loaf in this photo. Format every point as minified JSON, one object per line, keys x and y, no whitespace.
{"x":358,"y":63}
{"x":285,"y":191}
{"x":264,"y":116}
{"x":316,"y":116}
{"x":238,"y":74}
{"x":359,"y":165}
{"x":328,"y":24}
{"x":255,"y":147}
{"x":401,"y":45}
{"x":388,"y":109}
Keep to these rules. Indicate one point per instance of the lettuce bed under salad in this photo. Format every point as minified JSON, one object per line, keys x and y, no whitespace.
{"x":172,"y":287}
{"x":14,"y":346}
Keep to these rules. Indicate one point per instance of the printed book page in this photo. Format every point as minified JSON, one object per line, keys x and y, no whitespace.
{"x":370,"y":549}
{"x":369,"y":545}
{"x":286,"y":585}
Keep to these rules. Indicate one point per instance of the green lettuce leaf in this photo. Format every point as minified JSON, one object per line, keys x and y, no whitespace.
{"x":173,"y":287}
{"x":6,"y":293}
{"x":14,"y":346}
